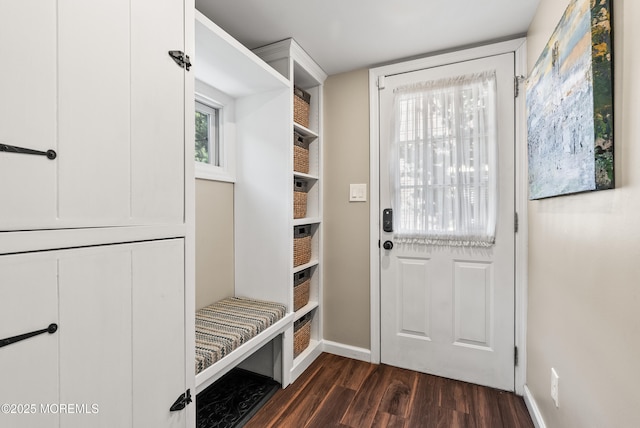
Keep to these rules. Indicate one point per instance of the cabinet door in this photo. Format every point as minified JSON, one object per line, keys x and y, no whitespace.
{"x":157,"y":111}
{"x":29,"y":368}
{"x":159,"y":373}
{"x":101,"y":90}
{"x":96,"y":336}
{"x":28,"y":111}
{"x":122,"y":349}
{"x":118,"y":357}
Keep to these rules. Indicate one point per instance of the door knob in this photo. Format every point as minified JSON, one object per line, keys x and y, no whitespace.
{"x":387,"y":245}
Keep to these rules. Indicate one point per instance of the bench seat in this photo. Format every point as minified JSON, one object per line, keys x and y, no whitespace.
{"x":230,"y":323}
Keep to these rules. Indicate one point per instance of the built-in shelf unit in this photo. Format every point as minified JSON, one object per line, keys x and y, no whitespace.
{"x":261,"y":85}
{"x":263,"y":186}
{"x":303,"y":72}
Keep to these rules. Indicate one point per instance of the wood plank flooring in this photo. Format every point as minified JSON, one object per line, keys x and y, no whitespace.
{"x":341,"y":392}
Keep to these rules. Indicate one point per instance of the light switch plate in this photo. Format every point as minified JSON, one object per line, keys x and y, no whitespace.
{"x":357,"y":193}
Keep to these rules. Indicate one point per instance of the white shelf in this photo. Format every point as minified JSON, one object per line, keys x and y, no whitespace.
{"x":297,"y":174}
{"x":306,"y":309}
{"x":305,"y":132}
{"x":289,"y":59}
{"x":312,"y":263}
{"x":306,"y":220}
{"x":224,"y":63}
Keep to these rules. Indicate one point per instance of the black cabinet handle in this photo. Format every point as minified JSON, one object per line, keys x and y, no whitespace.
{"x":8,"y":341}
{"x":50,"y":154}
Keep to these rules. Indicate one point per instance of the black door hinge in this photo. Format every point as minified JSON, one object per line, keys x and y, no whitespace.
{"x":181,"y":402}
{"x":515,"y":355}
{"x":516,"y":85}
{"x":516,"y":223}
{"x":181,"y":59}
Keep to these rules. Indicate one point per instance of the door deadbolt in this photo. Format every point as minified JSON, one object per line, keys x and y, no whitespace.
{"x":387,"y":220}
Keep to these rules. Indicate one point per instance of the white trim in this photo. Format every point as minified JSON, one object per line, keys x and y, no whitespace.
{"x":215,"y":99}
{"x":213,"y":43}
{"x":447,"y":58}
{"x":214,"y":130}
{"x":283,"y":49}
{"x":347,"y":351}
{"x":534,"y":411}
{"x":205,"y":171}
{"x":302,"y":362}
{"x":55,"y":239}
{"x":189,"y":212}
{"x":518,"y":46}
{"x":307,"y":63}
{"x":522,"y":237}
{"x":374,"y":212}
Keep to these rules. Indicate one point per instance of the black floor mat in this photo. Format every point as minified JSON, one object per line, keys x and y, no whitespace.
{"x":233,"y":400}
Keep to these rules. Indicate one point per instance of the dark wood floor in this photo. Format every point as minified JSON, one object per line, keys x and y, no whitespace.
{"x":341,"y":392}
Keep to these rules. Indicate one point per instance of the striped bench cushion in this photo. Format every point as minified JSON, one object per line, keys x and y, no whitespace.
{"x":227,"y":324}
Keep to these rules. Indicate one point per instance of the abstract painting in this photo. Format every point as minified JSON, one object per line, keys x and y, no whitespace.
{"x":570,"y":105}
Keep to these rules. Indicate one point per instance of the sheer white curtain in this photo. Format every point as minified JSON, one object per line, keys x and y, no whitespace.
{"x":444,"y":176}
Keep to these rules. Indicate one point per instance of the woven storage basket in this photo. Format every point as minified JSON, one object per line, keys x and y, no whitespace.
{"x":299,"y":198}
{"x":300,"y":153}
{"x":301,"y":288}
{"x":301,"y":245}
{"x":301,"y":335}
{"x":301,"y":100}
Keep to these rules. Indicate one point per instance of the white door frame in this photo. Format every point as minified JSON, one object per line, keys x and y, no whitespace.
{"x":518,"y":46}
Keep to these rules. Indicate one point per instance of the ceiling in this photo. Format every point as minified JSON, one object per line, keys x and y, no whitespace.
{"x":344,"y":35}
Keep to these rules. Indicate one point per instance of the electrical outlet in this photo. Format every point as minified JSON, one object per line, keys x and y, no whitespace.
{"x":554,"y":386}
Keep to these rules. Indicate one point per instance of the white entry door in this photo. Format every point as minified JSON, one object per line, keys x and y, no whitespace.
{"x":447,"y":308}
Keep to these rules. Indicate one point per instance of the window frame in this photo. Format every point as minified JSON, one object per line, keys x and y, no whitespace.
{"x":213,"y":134}
{"x":225,"y":149}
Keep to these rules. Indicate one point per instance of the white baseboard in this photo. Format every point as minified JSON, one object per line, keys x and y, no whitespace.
{"x":536,"y":416}
{"x":348,"y":351}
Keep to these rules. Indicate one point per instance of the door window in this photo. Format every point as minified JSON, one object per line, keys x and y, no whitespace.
{"x":444,"y":161}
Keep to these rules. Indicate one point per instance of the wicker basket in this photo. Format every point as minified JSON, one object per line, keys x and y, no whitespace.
{"x":299,"y":198}
{"x":300,"y":153}
{"x":301,"y":245}
{"x":301,"y":335}
{"x":301,"y":288}
{"x":301,"y":100}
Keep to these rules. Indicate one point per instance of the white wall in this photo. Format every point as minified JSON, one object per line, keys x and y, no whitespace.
{"x":584,"y":263}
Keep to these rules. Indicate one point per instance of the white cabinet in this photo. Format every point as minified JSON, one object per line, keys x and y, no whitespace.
{"x":295,"y":64}
{"x":98,"y":238}
{"x":93,"y":82}
{"x":118,"y":353}
{"x":29,"y":369}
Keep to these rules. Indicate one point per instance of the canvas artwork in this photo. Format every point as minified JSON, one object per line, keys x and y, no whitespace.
{"x":570,"y":105}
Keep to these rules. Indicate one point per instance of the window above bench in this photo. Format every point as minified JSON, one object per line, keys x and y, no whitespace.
{"x":215,"y":134}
